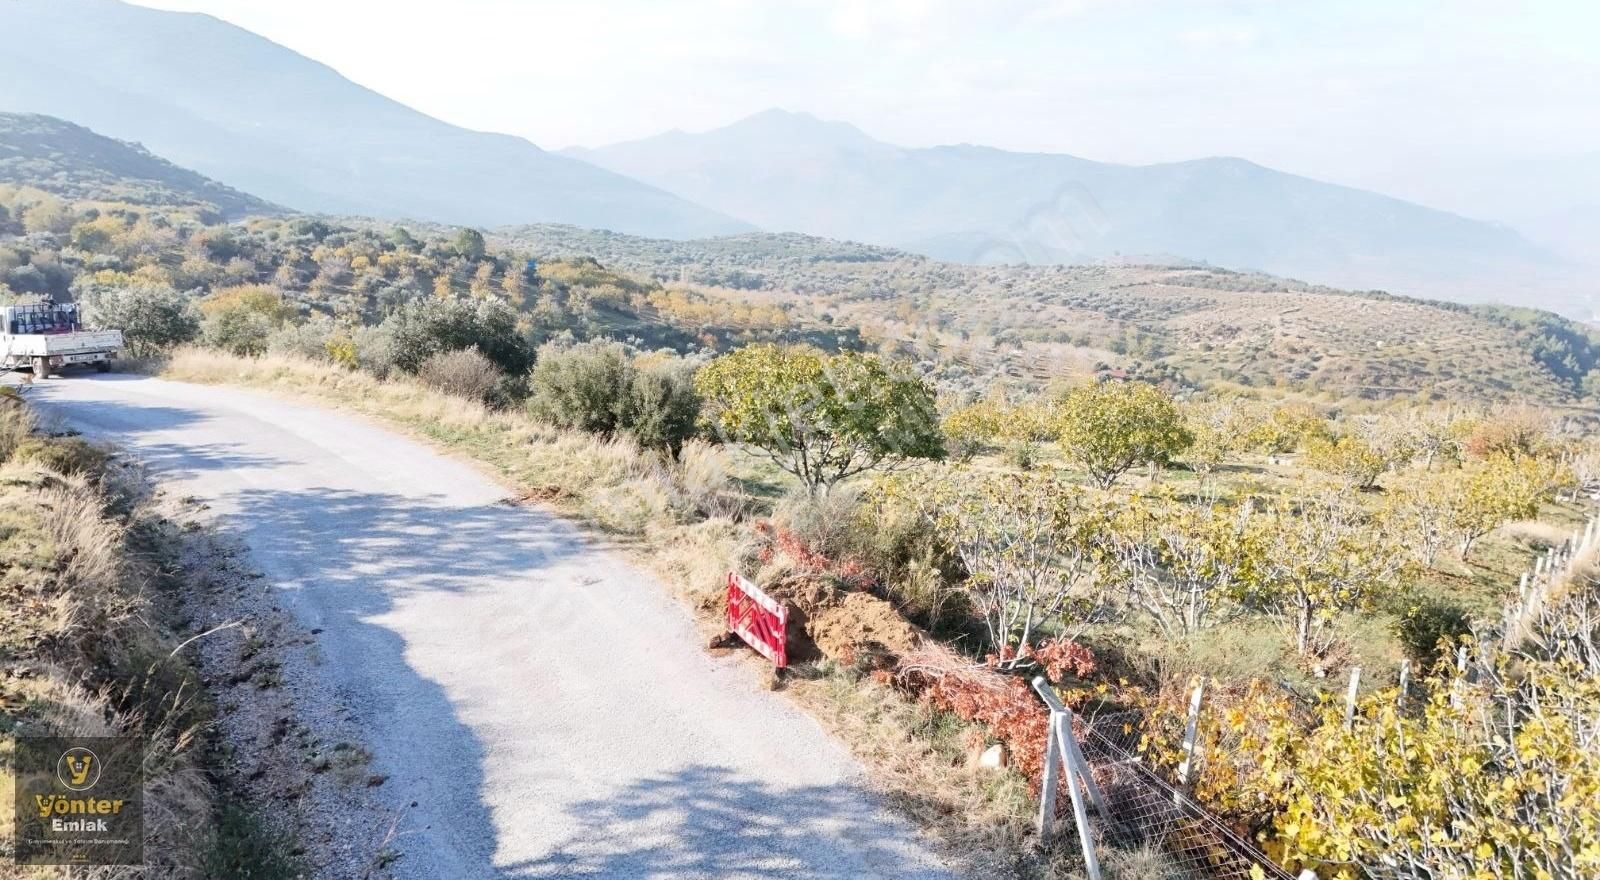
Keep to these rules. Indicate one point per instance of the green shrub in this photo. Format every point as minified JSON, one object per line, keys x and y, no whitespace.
{"x":152,"y":317}
{"x":308,"y":340}
{"x":1423,"y":627}
{"x":243,"y":846}
{"x":585,"y":387}
{"x":600,"y":387}
{"x":374,"y":350}
{"x":662,"y":406}
{"x":421,"y":329}
{"x":238,"y":331}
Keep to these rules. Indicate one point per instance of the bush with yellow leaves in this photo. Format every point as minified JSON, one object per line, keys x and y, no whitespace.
{"x":1490,"y":773}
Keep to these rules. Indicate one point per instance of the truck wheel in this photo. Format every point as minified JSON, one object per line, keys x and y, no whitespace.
{"x":41,"y":368}
{"x":102,"y":367}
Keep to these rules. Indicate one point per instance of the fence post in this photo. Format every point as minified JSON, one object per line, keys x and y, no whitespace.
{"x":1070,"y":742}
{"x":1047,"y":793}
{"x":1080,"y":815}
{"x":1062,"y":752}
{"x":1191,"y":732}
{"x":1097,"y":799}
{"x":1350,"y":698}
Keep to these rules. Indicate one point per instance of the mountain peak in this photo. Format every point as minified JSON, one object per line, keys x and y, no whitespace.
{"x":792,"y":128}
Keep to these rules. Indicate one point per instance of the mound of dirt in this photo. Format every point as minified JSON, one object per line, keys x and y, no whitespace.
{"x":847,"y":626}
{"x":862,"y":623}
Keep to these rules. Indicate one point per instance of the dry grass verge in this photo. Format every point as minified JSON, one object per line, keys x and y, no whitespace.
{"x":88,"y":646}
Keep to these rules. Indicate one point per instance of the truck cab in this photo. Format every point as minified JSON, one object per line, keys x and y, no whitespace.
{"x":47,"y":336}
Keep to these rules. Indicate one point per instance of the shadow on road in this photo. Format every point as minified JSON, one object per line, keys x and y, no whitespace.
{"x":350,"y":563}
{"x":705,"y":821}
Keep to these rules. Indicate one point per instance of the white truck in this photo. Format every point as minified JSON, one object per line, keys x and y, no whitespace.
{"x":47,"y":336}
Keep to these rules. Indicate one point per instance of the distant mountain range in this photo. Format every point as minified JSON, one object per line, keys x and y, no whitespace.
{"x":77,"y":164}
{"x":254,"y":115}
{"x":251,"y":113}
{"x":795,"y":172}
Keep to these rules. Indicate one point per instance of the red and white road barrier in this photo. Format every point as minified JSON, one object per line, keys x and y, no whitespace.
{"x":759,"y":619}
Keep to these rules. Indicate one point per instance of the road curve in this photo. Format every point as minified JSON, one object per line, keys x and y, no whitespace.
{"x":546,"y":706}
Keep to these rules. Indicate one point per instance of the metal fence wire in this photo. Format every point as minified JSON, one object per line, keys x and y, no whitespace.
{"x":1150,"y":828}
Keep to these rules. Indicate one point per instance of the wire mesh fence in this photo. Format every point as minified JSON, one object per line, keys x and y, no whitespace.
{"x":1150,"y":828}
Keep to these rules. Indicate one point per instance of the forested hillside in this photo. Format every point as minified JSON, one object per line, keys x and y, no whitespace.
{"x":1199,"y":325}
{"x":83,"y":214}
{"x":156,"y":270}
{"x":76,"y":164}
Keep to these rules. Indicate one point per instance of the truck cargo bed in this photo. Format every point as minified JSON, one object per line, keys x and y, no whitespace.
{"x":50,"y":344}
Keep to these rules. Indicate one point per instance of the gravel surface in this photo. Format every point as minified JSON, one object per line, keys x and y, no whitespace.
{"x":533,"y":706}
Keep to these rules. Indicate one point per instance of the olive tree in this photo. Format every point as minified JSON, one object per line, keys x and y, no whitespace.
{"x":241,"y":319}
{"x":469,"y":243}
{"x":663,"y":408}
{"x":603,"y":387}
{"x":421,"y":329}
{"x":583,"y":387}
{"x":152,"y":317}
{"x":821,"y":417}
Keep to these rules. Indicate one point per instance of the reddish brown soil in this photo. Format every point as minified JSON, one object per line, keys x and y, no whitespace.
{"x":846,"y":626}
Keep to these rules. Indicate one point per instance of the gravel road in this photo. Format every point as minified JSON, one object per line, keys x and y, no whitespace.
{"x":546,"y":706}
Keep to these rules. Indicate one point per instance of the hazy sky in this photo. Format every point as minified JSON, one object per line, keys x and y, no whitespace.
{"x":1412,"y":97}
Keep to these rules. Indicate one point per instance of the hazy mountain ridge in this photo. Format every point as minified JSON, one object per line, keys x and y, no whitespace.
{"x":792,"y":171}
{"x":258,"y":116}
{"x":75,"y":163}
